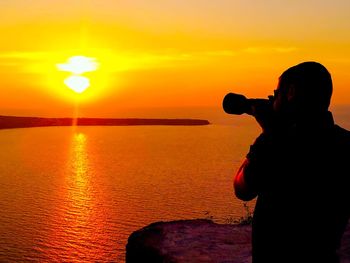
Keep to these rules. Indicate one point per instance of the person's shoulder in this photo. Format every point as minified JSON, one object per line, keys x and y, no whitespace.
{"x":342,"y":133}
{"x":341,"y":130}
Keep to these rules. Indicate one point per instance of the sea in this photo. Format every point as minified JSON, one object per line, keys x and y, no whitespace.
{"x":75,"y":194}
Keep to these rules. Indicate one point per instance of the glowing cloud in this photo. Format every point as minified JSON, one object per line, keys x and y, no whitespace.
{"x":79,"y":65}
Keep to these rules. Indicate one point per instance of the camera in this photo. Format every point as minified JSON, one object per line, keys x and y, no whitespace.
{"x":238,"y":104}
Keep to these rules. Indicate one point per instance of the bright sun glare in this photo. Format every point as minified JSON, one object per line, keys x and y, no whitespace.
{"x":77,"y":83}
{"x":78,"y":65}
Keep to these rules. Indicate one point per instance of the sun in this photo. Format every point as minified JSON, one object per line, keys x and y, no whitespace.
{"x":77,"y":83}
{"x":78,"y":65}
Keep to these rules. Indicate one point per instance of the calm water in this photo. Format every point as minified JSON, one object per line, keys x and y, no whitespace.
{"x":75,"y":194}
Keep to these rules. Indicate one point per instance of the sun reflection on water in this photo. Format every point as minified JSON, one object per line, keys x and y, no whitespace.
{"x":79,"y":195}
{"x":78,"y":231}
{"x":80,"y":162}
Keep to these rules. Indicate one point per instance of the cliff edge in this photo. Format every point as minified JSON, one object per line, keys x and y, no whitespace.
{"x":198,"y":241}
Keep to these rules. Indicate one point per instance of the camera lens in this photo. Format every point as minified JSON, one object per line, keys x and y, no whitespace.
{"x":235,"y":104}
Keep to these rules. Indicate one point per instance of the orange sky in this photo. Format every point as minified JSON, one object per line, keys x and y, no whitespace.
{"x":164,"y":52}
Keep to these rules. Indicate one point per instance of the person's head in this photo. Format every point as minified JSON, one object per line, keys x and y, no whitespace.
{"x":304,"y":89}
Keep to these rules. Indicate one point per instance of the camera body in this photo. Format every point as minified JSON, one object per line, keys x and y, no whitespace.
{"x":238,"y":104}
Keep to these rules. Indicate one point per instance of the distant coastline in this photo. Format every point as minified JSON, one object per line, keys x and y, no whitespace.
{"x":11,"y":122}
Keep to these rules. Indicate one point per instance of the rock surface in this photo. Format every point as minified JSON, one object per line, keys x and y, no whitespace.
{"x":198,"y":241}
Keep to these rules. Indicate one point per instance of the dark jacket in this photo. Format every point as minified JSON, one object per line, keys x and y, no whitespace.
{"x":302,"y":180}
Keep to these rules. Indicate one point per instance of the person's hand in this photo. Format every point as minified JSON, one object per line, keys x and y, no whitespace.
{"x":263,"y":112}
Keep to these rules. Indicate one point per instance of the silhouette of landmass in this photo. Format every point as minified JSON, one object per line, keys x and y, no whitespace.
{"x":8,"y":122}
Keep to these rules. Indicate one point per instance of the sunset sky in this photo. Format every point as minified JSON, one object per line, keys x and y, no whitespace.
{"x":163,"y":53}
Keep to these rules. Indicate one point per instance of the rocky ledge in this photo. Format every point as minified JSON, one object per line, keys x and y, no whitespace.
{"x":198,"y":241}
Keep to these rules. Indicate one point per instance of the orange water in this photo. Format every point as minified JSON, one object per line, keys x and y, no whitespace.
{"x":76,"y":194}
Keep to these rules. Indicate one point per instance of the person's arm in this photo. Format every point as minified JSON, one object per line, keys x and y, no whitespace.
{"x":253,"y":173}
{"x":249,"y":178}
{"x":243,"y":190}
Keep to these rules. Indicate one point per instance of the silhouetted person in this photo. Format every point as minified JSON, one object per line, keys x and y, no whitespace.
{"x":299,"y":169}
